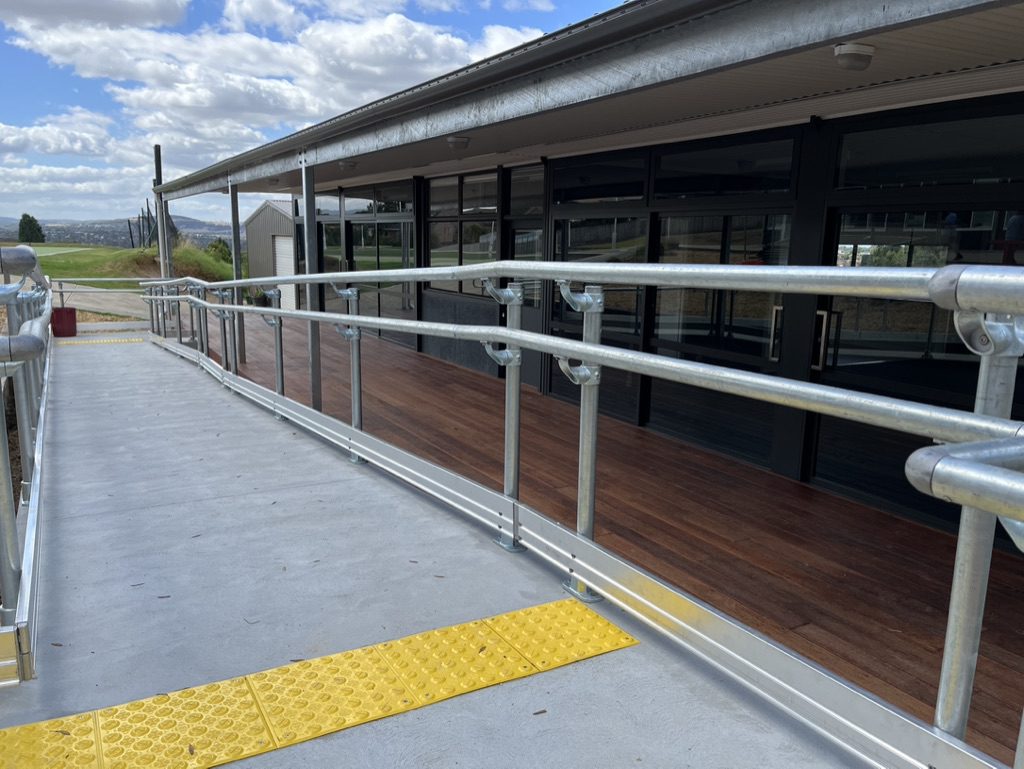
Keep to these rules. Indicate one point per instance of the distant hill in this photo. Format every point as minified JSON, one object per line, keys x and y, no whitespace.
{"x":114,"y":232}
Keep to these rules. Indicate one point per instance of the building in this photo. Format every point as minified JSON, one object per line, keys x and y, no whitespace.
{"x":695,"y":132}
{"x":270,"y":239}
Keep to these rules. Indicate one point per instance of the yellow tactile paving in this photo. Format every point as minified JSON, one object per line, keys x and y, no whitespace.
{"x":559,"y":633}
{"x":133,"y":340}
{"x":316,"y":697}
{"x":63,"y":743}
{"x":222,"y":722}
{"x":205,"y":726}
{"x":454,"y":660}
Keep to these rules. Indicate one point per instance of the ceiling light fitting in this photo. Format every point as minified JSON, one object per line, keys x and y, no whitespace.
{"x":854,"y":56}
{"x":456,"y":143}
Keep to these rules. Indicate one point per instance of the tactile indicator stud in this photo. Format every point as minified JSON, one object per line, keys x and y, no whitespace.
{"x":559,"y":633}
{"x":63,"y":743}
{"x":454,"y":660}
{"x":200,"y":727}
{"x":316,"y":697}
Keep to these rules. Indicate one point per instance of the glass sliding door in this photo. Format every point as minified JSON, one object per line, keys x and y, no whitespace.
{"x":732,"y":328}
{"x":905,"y":349}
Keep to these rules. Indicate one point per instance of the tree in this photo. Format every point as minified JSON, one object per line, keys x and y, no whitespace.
{"x":220,"y":249}
{"x":29,"y":230}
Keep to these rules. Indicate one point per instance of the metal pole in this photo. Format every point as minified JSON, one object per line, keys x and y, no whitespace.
{"x":591,"y":303}
{"x":152,"y":311}
{"x":177,"y":312}
{"x":513,"y":301}
{"x":352,"y":294}
{"x":10,"y":565}
{"x":996,"y":379}
{"x":204,"y":323}
{"x":225,"y":362}
{"x":236,"y":267}
{"x":312,"y":252}
{"x":278,"y":324}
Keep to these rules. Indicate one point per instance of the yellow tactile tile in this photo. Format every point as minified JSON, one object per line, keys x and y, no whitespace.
{"x":205,"y":726}
{"x":316,"y":697}
{"x":559,"y":633}
{"x":134,"y":340}
{"x":222,"y":722}
{"x":63,"y":743}
{"x":454,"y":660}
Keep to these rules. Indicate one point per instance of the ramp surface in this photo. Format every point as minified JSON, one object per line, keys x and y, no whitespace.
{"x":189,"y":537}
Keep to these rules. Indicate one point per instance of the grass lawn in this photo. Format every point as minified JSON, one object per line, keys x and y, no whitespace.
{"x":70,"y":261}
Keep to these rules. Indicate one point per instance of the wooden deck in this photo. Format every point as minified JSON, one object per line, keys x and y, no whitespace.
{"x":860,"y":591}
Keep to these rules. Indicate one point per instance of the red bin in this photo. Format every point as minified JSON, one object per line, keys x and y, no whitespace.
{"x":64,"y":321}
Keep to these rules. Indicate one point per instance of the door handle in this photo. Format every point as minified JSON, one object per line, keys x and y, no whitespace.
{"x":774,"y":337}
{"x":823,"y":321}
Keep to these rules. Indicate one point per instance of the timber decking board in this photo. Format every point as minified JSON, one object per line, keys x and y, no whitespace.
{"x":858,"y":590}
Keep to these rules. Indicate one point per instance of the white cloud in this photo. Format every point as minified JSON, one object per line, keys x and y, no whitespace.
{"x":77,"y":132}
{"x":117,"y":13}
{"x":263,"y":14}
{"x":528,"y":5}
{"x":440,"y":6}
{"x":216,"y":91}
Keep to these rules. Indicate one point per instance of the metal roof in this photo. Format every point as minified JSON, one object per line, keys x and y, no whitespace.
{"x":672,"y":60}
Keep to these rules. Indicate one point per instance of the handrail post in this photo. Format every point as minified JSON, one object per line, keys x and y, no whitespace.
{"x":997,"y":342}
{"x":204,"y":321}
{"x":152,"y":310}
{"x":177,"y":311}
{"x":354,"y":336}
{"x":222,"y":316}
{"x":588,"y":377}
{"x":275,"y":301}
{"x":511,"y":358}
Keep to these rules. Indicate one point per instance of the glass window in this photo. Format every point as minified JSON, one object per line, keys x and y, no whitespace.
{"x":745,"y":169}
{"x":529,"y":245}
{"x":364,"y":246}
{"x":611,"y":180}
{"x":444,"y":251}
{"x":973,"y":151}
{"x":527,"y":196}
{"x":334,"y":253}
{"x":615,"y":239}
{"x":359,"y":201}
{"x":729,"y":320}
{"x":480,"y":194}
{"x":444,"y":196}
{"x":479,"y":244}
{"x":328,"y":205}
{"x":395,"y":198}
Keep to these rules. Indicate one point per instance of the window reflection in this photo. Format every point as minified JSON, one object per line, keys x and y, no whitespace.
{"x":613,"y":239}
{"x":729,"y":320}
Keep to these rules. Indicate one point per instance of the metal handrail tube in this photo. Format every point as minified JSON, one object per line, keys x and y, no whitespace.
{"x":940,"y":423}
{"x":140,"y":281}
{"x":17,"y":260}
{"x":954,"y":287}
{"x":880,"y":282}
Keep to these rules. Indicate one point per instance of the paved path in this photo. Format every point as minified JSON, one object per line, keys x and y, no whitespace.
{"x":189,"y":537}
{"x":109,"y":301}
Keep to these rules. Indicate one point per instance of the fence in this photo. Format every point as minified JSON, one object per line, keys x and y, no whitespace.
{"x":988,"y":304}
{"x":25,"y":360}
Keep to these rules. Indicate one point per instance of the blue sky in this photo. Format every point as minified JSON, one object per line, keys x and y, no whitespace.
{"x":91,"y":85}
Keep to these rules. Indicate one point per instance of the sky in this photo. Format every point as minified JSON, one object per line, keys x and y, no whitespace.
{"x":91,"y":85}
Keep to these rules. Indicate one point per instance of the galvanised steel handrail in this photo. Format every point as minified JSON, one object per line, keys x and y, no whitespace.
{"x":987,"y":301}
{"x":24,"y":358}
{"x":953,"y":287}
